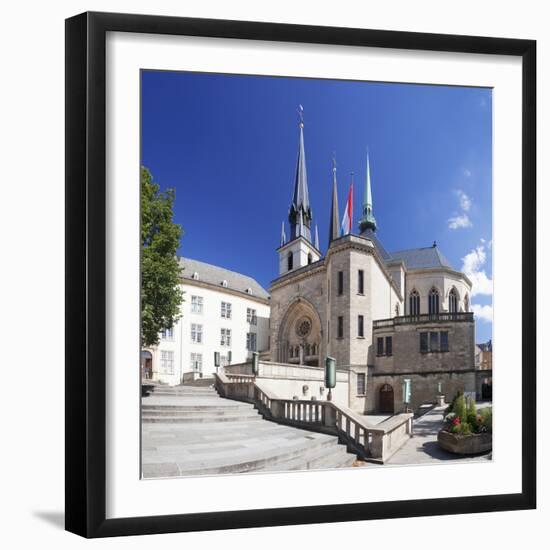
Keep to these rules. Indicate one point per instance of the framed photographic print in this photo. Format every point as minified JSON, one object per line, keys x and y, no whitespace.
{"x":300,"y":273}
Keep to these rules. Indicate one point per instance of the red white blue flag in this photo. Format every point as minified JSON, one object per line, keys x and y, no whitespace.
{"x":347,"y":220}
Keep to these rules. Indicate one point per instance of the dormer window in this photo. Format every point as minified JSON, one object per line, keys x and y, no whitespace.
{"x":224,"y":283}
{"x":249,"y":290}
{"x":195,"y":276}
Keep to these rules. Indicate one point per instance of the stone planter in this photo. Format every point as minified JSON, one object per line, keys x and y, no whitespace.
{"x":465,"y":444}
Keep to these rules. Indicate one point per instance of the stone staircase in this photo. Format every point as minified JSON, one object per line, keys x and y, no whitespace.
{"x":190,"y":430}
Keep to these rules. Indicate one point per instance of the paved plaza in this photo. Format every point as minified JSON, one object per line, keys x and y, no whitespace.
{"x":189,"y":431}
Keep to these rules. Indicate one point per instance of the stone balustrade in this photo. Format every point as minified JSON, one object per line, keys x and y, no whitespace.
{"x":373,"y":443}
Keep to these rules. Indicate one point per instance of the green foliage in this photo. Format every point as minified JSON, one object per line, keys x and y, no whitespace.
{"x":451,"y":407}
{"x":460,"y":408}
{"x":486,"y":419}
{"x":463,"y":418}
{"x":161,"y":296}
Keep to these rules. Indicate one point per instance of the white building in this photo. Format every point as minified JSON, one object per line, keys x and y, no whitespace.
{"x":223,"y":312}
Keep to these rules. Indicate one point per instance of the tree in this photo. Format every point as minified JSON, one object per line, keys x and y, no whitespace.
{"x":161,"y":296}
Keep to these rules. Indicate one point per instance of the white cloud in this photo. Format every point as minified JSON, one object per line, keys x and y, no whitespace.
{"x":484,"y":313}
{"x":465,"y":201}
{"x":472,"y":266}
{"x":466,"y":172}
{"x":461,"y":220}
{"x":457,"y":222}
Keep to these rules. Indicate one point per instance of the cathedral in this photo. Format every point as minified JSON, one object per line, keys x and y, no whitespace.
{"x":398,"y":322}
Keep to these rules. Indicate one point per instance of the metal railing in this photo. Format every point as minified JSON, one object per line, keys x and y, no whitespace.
{"x":373,"y":443}
{"x":425,"y":318}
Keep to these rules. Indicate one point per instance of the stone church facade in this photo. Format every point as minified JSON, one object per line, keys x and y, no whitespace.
{"x":385,"y":317}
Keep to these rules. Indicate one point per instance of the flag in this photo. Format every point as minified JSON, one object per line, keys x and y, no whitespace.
{"x":347,"y":220}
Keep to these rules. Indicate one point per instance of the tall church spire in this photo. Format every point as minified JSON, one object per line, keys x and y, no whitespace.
{"x":368,"y":220}
{"x":334,"y":226}
{"x":300,"y":211}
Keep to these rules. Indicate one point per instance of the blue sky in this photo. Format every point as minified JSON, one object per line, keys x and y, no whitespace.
{"x":228,"y":145}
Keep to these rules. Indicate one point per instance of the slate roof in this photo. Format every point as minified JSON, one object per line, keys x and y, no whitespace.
{"x":215,"y":275}
{"x":370,"y":234}
{"x":417,"y":258}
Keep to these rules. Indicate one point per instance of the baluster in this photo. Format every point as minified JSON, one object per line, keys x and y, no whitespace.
{"x":348,"y":427}
{"x":310,"y":407}
{"x":357,"y":434}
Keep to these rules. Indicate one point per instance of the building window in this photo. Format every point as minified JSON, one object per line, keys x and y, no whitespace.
{"x":196,"y":362}
{"x":380,"y":346}
{"x":453,"y":301}
{"x":167,"y":334}
{"x":251,"y":316}
{"x":224,"y":283}
{"x":361,"y":282}
{"x":397,"y":310}
{"x":414,"y":303}
{"x":196,"y":304}
{"x":196,"y":333}
{"x":466,"y":304}
{"x":389,"y":345}
{"x":195,"y":276}
{"x":423,"y":342}
{"x":340,"y":333}
{"x":226,"y":310}
{"x":251,"y":341}
{"x":167,"y":362}
{"x":361,"y":383}
{"x":340,"y":283}
{"x":225,"y":339}
{"x":290,"y":261}
{"x":433,"y":302}
{"x":434,"y":342}
{"x":443,"y":341}
{"x":309,"y":259}
{"x":225,"y":360}
{"x":360,"y":326}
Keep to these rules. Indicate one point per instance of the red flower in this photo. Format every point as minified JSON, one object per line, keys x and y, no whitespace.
{"x":456,"y":421}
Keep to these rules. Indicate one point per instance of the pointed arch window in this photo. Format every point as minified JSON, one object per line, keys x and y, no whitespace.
{"x":309,"y":259}
{"x":453,"y":301}
{"x":290,"y":261}
{"x":414,"y":303}
{"x":466,"y":304}
{"x":433,"y":302}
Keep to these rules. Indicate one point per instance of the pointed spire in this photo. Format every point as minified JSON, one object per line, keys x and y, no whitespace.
{"x":368,"y":220}
{"x":283,"y":235}
{"x":334,"y":226}
{"x":300,"y":207}
{"x":317,"y":237}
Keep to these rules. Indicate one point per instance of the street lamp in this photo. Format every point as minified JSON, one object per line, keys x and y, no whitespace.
{"x":330,"y":375}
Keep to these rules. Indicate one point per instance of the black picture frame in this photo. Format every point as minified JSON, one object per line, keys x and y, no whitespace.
{"x":86,"y":284}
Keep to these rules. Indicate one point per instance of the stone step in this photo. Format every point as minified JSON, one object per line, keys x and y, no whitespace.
{"x":247,"y":459}
{"x":322,"y":459}
{"x":202,"y":413}
{"x":196,"y":408}
{"x":201,"y":418}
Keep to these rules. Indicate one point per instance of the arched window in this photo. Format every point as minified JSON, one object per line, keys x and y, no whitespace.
{"x":397,"y":310}
{"x":453,"y":301}
{"x":291,"y":352}
{"x":433,"y":302}
{"x":309,"y":259}
{"x":466,"y":303}
{"x":290,"y":261}
{"x":414,"y":303}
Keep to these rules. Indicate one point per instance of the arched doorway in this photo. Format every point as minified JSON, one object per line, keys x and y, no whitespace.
{"x":146,"y":365}
{"x":300,"y":335}
{"x":385,"y":399}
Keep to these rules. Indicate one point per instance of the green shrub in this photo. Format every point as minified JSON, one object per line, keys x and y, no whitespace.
{"x":460,"y":408}
{"x":486,"y":419}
